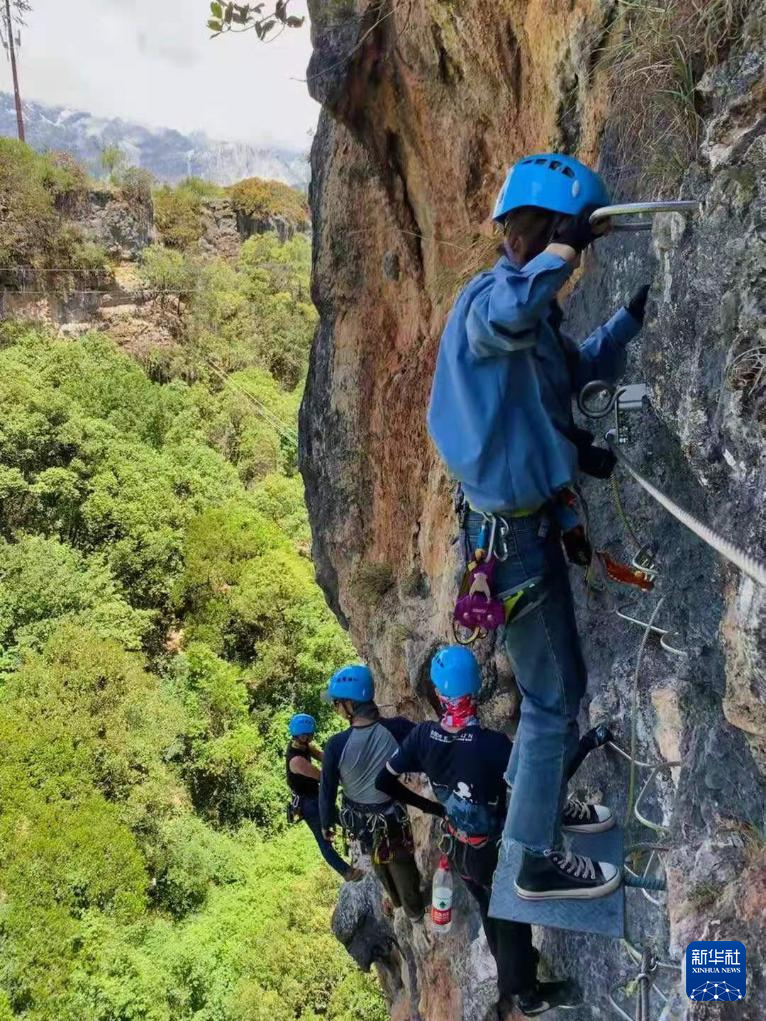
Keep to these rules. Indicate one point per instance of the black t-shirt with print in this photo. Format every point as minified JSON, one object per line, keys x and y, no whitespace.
{"x":466,"y":771}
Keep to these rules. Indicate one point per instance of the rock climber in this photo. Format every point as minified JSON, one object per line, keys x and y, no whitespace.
{"x":303,"y":781}
{"x":501,"y":418}
{"x":464,"y":763}
{"x":353,"y":759}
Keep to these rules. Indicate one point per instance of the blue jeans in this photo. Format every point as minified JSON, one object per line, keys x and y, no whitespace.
{"x":310,"y":813}
{"x":544,"y":649}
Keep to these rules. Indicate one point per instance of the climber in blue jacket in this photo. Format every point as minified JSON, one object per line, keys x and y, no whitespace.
{"x":501,"y":418}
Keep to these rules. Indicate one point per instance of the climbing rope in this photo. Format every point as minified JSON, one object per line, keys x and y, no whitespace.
{"x":748,"y":564}
{"x":621,"y":512}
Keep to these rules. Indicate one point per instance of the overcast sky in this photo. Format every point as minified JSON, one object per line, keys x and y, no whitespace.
{"x":152,"y":61}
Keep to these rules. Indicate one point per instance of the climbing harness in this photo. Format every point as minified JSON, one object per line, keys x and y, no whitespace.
{"x":293,"y":810}
{"x":456,"y":847}
{"x":474,"y":840}
{"x":616,"y":212}
{"x":478,"y":610}
{"x":380,"y":832}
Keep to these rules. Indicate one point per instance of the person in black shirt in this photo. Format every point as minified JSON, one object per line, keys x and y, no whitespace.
{"x":303,"y":780}
{"x":465,"y":763}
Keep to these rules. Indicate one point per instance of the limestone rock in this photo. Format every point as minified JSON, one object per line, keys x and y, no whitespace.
{"x":122,"y":227}
{"x":424,"y":107}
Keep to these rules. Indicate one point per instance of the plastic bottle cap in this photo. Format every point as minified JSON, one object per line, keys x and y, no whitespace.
{"x":444,"y":862}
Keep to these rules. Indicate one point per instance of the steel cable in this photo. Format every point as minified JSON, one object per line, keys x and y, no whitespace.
{"x":748,"y":564}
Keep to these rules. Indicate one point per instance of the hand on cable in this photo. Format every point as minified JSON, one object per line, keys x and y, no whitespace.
{"x":637,"y":304}
{"x":578,"y":232}
{"x":578,"y":550}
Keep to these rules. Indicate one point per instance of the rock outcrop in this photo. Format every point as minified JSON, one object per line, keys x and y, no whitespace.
{"x":121,"y":226}
{"x":425,"y":106}
{"x":224,"y":228}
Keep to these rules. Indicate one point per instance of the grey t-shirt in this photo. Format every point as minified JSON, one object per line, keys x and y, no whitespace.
{"x":367,"y":750}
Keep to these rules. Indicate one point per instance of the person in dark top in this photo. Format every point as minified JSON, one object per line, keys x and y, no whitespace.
{"x":353,"y":759}
{"x":303,"y":780}
{"x":465,"y":764}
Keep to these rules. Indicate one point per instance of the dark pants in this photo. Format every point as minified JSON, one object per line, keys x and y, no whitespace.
{"x":509,"y":942}
{"x":401,"y":881}
{"x":310,"y":813}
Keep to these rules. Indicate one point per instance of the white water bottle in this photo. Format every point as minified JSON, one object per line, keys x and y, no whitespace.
{"x":441,"y":899}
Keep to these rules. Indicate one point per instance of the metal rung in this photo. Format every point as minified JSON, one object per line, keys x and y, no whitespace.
{"x":638,"y":208}
{"x":663,"y":633}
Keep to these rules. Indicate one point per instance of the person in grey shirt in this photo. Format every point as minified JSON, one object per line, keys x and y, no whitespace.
{"x":352,"y":760}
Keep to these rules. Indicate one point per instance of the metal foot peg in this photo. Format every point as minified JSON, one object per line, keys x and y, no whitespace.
{"x":665,"y":635}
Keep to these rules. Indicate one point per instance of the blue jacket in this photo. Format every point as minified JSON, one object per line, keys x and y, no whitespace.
{"x":501,"y":401}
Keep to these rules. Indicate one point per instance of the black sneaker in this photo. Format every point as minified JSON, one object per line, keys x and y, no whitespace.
{"x":565,"y":875}
{"x":583,"y":817}
{"x":549,"y":996}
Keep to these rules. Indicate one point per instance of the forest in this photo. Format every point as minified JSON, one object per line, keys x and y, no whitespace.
{"x":159,"y":624}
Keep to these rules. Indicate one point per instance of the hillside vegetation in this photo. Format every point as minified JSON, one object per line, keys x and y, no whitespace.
{"x":159,"y":623}
{"x":39,"y":197}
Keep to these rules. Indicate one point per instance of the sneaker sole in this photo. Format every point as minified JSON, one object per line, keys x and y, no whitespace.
{"x":576,"y":893}
{"x":595,"y":827}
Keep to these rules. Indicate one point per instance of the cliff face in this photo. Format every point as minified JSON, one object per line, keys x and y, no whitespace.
{"x":425,"y":106}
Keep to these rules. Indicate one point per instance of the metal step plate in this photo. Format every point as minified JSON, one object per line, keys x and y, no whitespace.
{"x":604,"y":916}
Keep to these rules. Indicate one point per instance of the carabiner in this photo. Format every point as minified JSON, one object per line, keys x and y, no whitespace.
{"x":503,"y":544}
{"x":474,"y":635}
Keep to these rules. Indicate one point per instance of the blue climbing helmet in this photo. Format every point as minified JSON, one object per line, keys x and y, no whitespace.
{"x":550,"y":181}
{"x":455,"y":672}
{"x":301,"y":724}
{"x":352,"y":682}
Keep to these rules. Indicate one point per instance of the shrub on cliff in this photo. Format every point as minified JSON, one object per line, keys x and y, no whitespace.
{"x":37,"y":191}
{"x":166,"y":269}
{"x":177,"y":211}
{"x":261,"y":199}
{"x":233,"y":316}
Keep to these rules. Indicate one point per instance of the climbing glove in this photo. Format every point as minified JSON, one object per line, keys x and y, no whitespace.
{"x":598,"y":462}
{"x":577,"y":231}
{"x":637,"y":304}
{"x":578,"y":550}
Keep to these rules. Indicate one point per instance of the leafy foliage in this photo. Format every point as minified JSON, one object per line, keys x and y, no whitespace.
{"x":178,"y":211}
{"x":258,"y":198}
{"x":36,"y":190}
{"x":231,"y":17}
{"x":254,"y":313}
{"x":159,"y":623}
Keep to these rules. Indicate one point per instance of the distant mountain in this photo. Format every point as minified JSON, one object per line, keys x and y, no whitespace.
{"x":168,"y":154}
